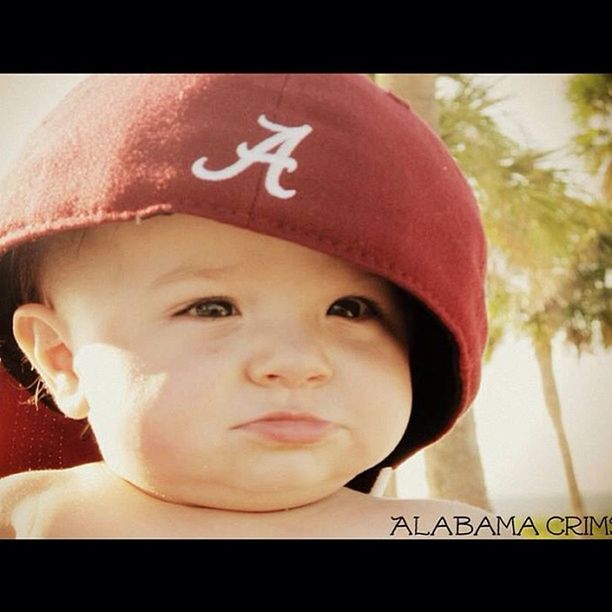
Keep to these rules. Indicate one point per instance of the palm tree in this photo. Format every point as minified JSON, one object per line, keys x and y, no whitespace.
{"x":549,"y":250}
{"x":591,"y":97}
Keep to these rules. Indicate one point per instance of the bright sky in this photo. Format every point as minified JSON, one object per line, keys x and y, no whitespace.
{"x":517,"y":441}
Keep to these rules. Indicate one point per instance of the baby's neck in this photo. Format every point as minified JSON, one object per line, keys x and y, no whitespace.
{"x":168,"y":519}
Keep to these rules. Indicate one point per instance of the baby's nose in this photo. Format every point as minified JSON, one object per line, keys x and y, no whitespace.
{"x":290,"y":362}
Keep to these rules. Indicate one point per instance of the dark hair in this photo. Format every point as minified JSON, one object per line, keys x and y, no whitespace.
{"x":20,"y":272}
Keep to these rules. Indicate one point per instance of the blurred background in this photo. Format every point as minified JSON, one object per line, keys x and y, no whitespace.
{"x":537,"y":148}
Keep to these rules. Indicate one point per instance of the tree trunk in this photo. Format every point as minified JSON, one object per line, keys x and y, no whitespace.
{"x":452,"y":466}
{"x":543,"y":352}
{"x":391,"y":489}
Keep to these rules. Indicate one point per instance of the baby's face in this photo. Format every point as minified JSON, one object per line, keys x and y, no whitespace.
{"x":229,"y":369}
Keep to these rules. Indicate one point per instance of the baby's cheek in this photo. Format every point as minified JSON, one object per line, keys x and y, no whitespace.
{"x":119,"y":393}
{"x":380,"y":398}
{"x":112,"y":379}
{"x":143,"y":414}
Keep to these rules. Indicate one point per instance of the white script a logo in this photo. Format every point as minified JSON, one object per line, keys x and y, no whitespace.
{"x":287,"y":137}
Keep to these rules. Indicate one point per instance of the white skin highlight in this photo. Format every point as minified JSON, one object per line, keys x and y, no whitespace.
{"x":167,"y":387}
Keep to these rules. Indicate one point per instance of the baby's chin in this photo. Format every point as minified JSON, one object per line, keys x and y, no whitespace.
{"x":263,"y":485}
{"x":245,"y":495}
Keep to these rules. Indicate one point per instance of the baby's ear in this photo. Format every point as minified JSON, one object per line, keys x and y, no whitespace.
{"x":43,"y":339}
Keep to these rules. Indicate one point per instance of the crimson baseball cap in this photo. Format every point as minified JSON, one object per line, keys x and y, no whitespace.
{"x":328,"y":161}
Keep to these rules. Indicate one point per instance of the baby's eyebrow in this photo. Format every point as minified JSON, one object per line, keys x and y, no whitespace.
{"x":187,"y":272}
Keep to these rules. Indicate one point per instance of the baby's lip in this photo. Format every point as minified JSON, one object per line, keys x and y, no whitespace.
{"x":293,"y":428}
{"x":287,"y":416}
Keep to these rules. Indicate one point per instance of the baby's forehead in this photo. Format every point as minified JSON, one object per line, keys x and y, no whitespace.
{"x":177,"y":244}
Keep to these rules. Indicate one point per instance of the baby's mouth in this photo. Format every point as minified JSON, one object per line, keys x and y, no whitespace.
{"x":289,"y":428}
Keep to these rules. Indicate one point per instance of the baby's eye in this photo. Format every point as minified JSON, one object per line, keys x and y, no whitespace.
{"x":349,"y":307}
{"x":216,"y":309}
{"x":356,"y":307}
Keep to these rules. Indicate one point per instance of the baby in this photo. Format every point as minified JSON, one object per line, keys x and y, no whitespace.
{"x":259,"y":290}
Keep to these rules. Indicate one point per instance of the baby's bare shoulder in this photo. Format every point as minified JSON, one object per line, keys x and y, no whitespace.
{"x":19,"y":498}
{"x":29,"y":499}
